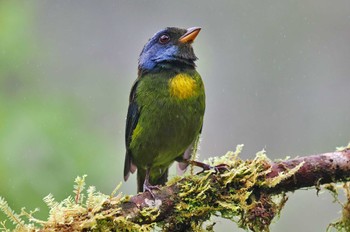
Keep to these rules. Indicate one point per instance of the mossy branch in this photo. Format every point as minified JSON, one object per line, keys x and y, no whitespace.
{"x":281,"y":177}
{"x":251,"y":193}
{"x":316,"y":169}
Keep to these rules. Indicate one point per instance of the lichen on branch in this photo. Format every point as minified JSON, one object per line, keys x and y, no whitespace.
{"x":250,"y":193}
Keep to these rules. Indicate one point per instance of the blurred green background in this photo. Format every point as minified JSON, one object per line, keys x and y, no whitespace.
{"x":277,"y":77}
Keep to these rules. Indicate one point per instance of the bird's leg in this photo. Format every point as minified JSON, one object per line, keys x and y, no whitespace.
{"x":147,"y":185}
{"x":206,"y":167}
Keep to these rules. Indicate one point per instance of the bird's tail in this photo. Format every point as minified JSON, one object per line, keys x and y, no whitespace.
{"x":141,"y":174}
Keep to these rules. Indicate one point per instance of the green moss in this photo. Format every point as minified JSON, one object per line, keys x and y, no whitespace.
{"x":343,"y":223}
{"x":343,"y":148}
{"x":233,"y":194}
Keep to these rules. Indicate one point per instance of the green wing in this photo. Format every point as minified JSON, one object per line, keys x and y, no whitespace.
{"x":131,"y":122}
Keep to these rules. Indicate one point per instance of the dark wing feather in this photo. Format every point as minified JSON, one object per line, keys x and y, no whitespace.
{"x":131,"y":122}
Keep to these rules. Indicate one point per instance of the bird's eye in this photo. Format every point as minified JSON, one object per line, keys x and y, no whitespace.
{"x":163,"y":39}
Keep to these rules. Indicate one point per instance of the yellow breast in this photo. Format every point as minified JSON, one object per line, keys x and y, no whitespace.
{"x":182,"y":86}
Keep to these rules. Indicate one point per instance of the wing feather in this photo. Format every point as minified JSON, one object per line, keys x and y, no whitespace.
{"x":131,"y":122}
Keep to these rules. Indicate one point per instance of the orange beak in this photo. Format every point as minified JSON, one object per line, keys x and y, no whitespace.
{"x":190,"y":35}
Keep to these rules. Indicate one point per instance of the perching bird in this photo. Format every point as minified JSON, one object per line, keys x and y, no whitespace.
{"x":166,"y":107}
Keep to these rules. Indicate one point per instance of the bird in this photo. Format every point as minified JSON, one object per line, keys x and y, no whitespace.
{"x":166,"y":108}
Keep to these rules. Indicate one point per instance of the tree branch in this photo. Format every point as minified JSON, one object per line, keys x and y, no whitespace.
{"x":250,"y":192}
{"x":314,"y":170}
{"x":317,"y":169}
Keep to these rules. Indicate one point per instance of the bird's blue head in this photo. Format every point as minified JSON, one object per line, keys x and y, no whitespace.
{"x":167,"y":48}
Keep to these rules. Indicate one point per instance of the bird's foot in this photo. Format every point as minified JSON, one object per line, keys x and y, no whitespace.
{"x":147,"y":187}
{"x":206,"y":167}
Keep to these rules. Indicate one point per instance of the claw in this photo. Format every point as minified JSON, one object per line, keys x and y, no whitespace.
{"x":147,"y":187}
{"x":206,"y":167}
{"x":220,"y":167}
